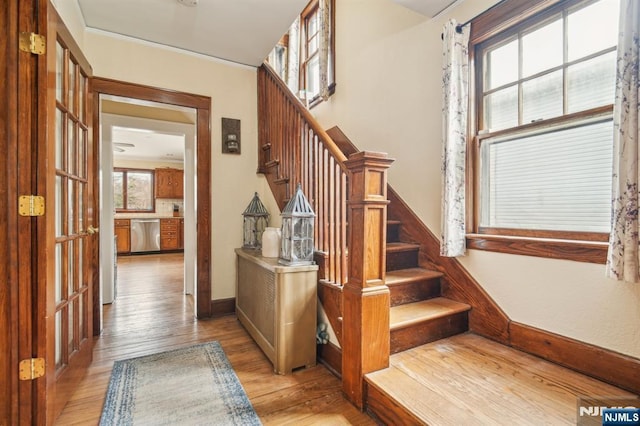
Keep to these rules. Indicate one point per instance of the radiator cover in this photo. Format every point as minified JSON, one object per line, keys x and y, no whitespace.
{"x":277,"y":305}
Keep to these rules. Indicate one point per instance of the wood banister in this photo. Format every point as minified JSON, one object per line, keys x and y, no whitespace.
{"x":293,"y":149}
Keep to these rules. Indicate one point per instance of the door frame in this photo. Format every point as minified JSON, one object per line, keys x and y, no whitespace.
{"x":202,"y":105}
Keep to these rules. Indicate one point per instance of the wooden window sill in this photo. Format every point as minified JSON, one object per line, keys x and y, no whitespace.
{"x":579,"y":251}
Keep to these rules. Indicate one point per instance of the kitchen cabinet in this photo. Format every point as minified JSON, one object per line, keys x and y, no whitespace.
{"x":170,"y":234}
{"x":122,"y":228}
{"x":169,"y":183}
{"x":181,"y":239}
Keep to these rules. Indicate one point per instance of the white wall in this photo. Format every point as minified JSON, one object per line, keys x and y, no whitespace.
{"x":388,"y":99}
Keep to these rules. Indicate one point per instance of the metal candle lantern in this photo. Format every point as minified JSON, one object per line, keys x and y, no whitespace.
{"x":297,"y":231}
{"x":256,"y":219}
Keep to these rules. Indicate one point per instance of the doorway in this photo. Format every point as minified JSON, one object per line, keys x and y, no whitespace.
{"x":197,"y":172}
{"x":144,"y":145}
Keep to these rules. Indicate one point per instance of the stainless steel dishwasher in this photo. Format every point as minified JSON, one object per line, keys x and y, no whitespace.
{"x":145,"y":235}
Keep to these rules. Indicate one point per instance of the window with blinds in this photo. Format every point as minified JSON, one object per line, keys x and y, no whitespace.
{"x":545,"y":91}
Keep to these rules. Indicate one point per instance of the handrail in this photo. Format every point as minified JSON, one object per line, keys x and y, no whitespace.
{"x":313,"y":123}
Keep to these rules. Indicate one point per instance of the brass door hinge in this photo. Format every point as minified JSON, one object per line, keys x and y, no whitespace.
{"x":30,"y":369}
{"x":31,"y":205}
{"x":32,"y":43}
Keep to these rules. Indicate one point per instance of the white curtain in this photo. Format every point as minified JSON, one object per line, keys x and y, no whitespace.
{"x":622,"y":260}
{"x":455,"y":103}
{"x":325,"y":31}
{"x":293,"y":57}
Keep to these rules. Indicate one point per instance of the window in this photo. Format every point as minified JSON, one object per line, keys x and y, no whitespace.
{"x":297,"y":57}
{"x":544,"y":129}
{"x":133,"y":190}
{"x":311,"y":51}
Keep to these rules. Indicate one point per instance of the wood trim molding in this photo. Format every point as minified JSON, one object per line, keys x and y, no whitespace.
{"x":222,"y":307}
{"x":504,"y":15}
{"x":330,"y":356}
{"x":619,"y":370}
{"x":580,"y":251}
{"x":202,"y":104}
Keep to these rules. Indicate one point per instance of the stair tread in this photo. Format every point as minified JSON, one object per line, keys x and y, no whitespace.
{"x":395,"y":247}
{"x":411,"y":313}
{"x":402,"y":276}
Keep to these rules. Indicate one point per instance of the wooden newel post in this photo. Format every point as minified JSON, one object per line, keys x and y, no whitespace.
{"x":365,"y":326}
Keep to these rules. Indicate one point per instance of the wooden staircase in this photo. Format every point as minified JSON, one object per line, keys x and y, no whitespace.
{"x":376,"y":293}
{"x":419,"y":314}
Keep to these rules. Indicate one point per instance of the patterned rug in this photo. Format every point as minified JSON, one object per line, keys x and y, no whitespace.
{"x":189,"y":386}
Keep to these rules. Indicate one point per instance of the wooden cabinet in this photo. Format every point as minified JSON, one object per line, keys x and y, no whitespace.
{"x":122,"y":228}
{"x":278,"y":306}
{"x":170,"y":234}
{"x":181,"y":236}
{"x":169,"y":183}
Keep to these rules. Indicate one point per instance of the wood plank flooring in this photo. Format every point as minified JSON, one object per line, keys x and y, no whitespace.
{"x":467,"y":379}
{"x":151,"y":314}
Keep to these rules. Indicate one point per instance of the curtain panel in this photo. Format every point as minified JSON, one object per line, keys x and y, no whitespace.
{"x":622,"y":260}
{"x":293,"y":57}
{"x":455,"y":104}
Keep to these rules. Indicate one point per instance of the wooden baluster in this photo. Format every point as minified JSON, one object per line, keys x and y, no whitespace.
{"x":343,"y":231}
{"x":365,"y":330}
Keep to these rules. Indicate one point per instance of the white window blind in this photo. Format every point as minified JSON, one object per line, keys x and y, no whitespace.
{"x":559,"y":179}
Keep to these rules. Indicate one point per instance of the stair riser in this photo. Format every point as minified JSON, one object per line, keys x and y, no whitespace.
{"x":402,"y":260}
{"x":393,"y":233}
{"x":414,"y":291}
{"x":384,"y":409}
{"x":422,"y":333}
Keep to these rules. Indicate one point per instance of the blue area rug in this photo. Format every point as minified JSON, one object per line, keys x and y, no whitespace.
{"x":189,"y":386}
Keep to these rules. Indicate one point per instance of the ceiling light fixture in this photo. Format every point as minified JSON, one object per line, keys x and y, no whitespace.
{"x":190,"y":3}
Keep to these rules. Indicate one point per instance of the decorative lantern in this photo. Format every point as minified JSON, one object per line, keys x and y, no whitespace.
{"x":297,"y":231}
{"x":256,"y":218}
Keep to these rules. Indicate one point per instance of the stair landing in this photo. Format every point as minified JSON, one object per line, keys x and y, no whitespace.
{"x":467,"y":379}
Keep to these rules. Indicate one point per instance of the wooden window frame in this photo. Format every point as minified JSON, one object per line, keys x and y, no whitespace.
{"x":312,"y":8}
{"x":499,"y":23}
{"x":125,"y":171}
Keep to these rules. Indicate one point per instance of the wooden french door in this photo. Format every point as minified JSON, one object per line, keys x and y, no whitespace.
{"x":48,"y":259}
{"x":74,"y":240}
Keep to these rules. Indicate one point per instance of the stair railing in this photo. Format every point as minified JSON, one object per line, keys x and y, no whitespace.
{"x":293,"y":149}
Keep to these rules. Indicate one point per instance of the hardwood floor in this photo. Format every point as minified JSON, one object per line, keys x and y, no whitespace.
{"x":467,"y":379}
{"x":151,"y":314}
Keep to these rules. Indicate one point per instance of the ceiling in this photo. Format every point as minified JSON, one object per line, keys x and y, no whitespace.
{"x":428,"y":8}
{"x":146,"y":131}
{"x":241,"y":31}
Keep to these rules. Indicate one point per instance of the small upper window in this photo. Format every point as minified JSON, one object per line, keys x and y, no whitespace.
{"x":299,"y":54}
{"x":133,"y":190}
